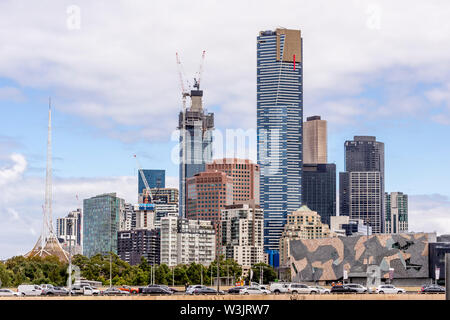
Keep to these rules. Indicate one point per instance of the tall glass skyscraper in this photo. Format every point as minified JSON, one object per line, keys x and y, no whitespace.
{"x":155,"y":179}
{"x":279,"y":128}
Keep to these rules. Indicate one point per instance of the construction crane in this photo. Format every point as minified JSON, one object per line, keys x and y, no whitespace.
{"x":199,"y":73}
{"x":146,"y":194}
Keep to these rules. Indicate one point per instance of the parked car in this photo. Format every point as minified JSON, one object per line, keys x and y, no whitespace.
{"x":207,"y":291}
{"x":10,"y":293}
{"x":342,"y":289}
{"x":55,"y":291}
{"x":301,"y":288}
{"x":253,"y":290}
{"x":190,"y":289}
{"x":115,"y":292}
{"x":236,"y":290}
{"x":169,"y":288}
{"x":84,"y":290}
{"x":30,"y":289}
{"x":388,"y":288}
{"x":359,"y":288}
{"x":432,"y":288}
{"x":322,"y":290}
{"x":156,"y":289}
{"x":279,"y":287}
{"x":129,"y":289}
{"x":95,"y":291}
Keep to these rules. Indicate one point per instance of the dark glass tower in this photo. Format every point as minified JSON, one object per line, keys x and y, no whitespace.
{"x":155,"y":179}
{"x":279,"y":129}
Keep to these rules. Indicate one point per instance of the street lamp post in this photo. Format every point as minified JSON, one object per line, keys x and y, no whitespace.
{"x":367,"y":254}
{"x":70,"y":257}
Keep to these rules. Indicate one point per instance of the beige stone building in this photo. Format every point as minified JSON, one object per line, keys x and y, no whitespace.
{"x":301,"y":224}
{"x":315,"y":140}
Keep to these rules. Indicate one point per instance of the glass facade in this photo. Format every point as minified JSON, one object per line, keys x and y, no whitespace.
{"x":155,"y":179}
{"x":279,"y":128}
{"x":396,"y":212}
{"x":101,"y":224}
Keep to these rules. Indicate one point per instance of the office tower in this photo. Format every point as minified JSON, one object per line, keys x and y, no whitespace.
{"x":196,"y":126}
{"x":279,"y":128}
{"x":69,"y":231}
{"x":127,"y":217}
{"x":243,"y":234}
{"x":301,"y":224}
{"x":345,"y":227}
{"x":207,"y":194}
{"x":101,"y":223}
{"x":245,"y":176}
{"x":135,"y":244}
{"x":319,"y":189}
{"x":185,"y":241}
{"x":166,"y":204}
{"x":361,"y":186}
{"x":396,"y":212}
{"x":314,"y":140}
{"x":155,"y":179}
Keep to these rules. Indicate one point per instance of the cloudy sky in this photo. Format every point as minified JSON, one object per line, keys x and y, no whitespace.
{"x":370,"y":68}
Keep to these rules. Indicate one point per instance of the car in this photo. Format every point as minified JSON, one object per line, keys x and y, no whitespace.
{"x":236,"y":290}
{"x":129,"y":289}
{"x":85,"y":290}
{"x":10,"y":293}
{"x":253,"y":290}
{"x":30,"y":289}
{"x":342,"y":289}
{"x":156,"y":289}
{"x":388,"y":288}
{"x":295,"y":288}
{"x":114,"y":292}
{"x":321,"y":290}
{"x":432,"y":288}
{"x":95,"y":291}
{"x":55,"y":291}
{"x":207,"y":291}
{"x":359,"y":288}
{"x":279,"y":287}
{"x":190,"y":289}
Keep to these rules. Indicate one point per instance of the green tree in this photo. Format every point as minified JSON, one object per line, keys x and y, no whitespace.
{"x":268,"y":272}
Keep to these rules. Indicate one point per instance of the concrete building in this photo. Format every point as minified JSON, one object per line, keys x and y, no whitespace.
{"x":279,"y":129}
{"x":361,"y":186}
{"x":243,"y":234}
{"x":245,"y":176}
{"x":101,"y":224}
{"x":343,"y":226}
{"x":69,"y":231}
{"x":184,"y":241}
{"x":197,"y":126}
{"x":314,"y":140}
{"x":319,"y":189}
{"x":396,"y":212}
{"x":301,"y":224}
{"x":145,"y":217}
{"x":135,"y":244}
{"x":127,"y":217}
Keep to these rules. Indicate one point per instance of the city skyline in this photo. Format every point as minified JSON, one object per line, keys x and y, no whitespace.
{"x":85,"y":125}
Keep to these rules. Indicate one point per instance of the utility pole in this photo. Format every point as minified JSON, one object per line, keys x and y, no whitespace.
{"x":70,"y":256}
{"x":218,"y":274}
{"x":261,"y":278}
{"x":367,"y":255}
{"x":110,"y":250}
{"x":201,"y":274}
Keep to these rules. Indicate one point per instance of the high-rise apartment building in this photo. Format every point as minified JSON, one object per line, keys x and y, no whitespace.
{"x":185,"y":241}
{"x":166,"y":202}
{"x":243,"y":234}
{"x":314,"y":140}
{"x":245,"y":176}
{"x":127,"y":217}
{"x":301,"y":224}
{"x":396,"y":212}
{"x":101,"y":223}
{"x":155,"y":179}
{"x":138,"y":243}
{"x":361,"y":186}
{"x":69,"y":231}
{"x":196,"y":127}
{"x":279,"y":128}
{"x":319,"y":189}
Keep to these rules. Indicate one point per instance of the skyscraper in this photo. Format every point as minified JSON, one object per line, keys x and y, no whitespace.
{"x":155,"y":179}
{"x":279,"y":128}
{"x":361,"y":186}
{"x":196,"y":150}
{"x":396,"y":212}
{"x":101,"y":223}
{"x":314,"y":140}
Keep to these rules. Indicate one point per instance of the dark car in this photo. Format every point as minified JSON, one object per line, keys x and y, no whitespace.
{"x":235,"y":290}
{"x":55,"y":291}
{"x":207,"y":290}
{"x":432,"y":288}
{"x":156,"y":289}
{"x":343,"y":289}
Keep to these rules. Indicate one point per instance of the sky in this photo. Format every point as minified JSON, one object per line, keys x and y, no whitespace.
{"x":378,"y":68}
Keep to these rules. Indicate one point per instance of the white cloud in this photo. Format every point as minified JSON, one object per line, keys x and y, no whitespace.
{"x":429,"y":213}
{"x":13,"y":172}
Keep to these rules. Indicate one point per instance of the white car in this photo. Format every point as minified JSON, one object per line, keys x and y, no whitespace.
{"x":295,"y":288}
{"x":322,"y":290}
{"x":358,"y":287}
{"x":388,"y":288}
{"x":253,"y":290}
{"x":9,"y":293}
{"x":279,"y":287}
{"x":191,"y":289}
{"x":30,"y":290}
